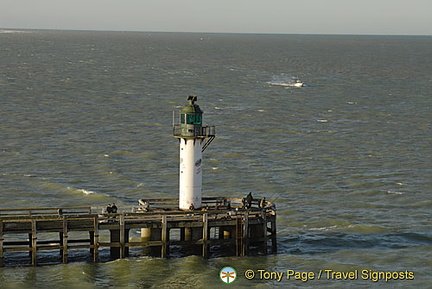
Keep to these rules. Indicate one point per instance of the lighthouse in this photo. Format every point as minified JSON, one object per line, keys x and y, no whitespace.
{"x":194,"y":138}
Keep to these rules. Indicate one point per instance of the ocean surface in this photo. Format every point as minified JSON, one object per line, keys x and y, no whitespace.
{"x":86,"y":120}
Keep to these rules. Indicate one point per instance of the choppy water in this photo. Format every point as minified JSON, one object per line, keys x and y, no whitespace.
{"x":85,"y":119}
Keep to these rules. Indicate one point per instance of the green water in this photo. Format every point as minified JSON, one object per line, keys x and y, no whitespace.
{"x":85,"y":120}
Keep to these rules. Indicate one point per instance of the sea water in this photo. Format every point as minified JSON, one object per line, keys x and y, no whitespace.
{"x":86,"y":120}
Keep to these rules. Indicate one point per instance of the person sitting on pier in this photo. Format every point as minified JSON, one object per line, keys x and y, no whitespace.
{"x":114,"y":208}
{"x":109,"y":209}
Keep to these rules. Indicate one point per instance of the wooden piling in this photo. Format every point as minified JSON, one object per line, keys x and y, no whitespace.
{"x":122,"y":237}
{"x":245,"y":239}
{"x":64,"y":241}
{"x":115,"y":244}
{"x":239,"y":236}
{"x":94,"y":240}
{"x":1,"y":244}
{"x":206,"y":231}
{"x":164,"y":237}
{"x":273,"y":235}
{"x":264,"y":243}
{"x":33,"y":242}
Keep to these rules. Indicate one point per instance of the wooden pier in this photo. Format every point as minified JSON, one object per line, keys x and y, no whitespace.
{"x":223,"y":227}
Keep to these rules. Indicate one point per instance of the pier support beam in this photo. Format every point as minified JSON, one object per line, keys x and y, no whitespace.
{"x":246,"y":235}
{"x":258,"y":234}
{"x":273,"y":235}
{"x":187,"y":234}
{"x":145,"y":234}
{"x":1,"y":244}
{"x":94,"y":240}
{"x":114,"y":238}
{"x":156,"y":235}
{"x":119,"y":238}
{"x":226,"y":232}
{"x":264,"y":228}
{"x":205,"y":237}
{"x":33,"y":242}
{"x":151,"y":234}
{"x":192,"y":233}
{"x":64,"y":242}
{"x":164,"y":237}
{"x":124,"y":238}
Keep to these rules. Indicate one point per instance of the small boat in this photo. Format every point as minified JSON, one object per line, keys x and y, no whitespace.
{"x":298,"y":83}
{"x":294,"y":83}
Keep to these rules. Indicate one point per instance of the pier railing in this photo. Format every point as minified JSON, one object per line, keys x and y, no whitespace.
{"x":159,"y":206}
{"x":45,"y":211}
{"x":207,"y":203}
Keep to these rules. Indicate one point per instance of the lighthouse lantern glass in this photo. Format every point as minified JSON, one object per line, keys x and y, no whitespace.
{"x":194,"y":118}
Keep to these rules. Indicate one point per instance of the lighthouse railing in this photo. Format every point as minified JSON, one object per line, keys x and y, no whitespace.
{"x":203,"y":131}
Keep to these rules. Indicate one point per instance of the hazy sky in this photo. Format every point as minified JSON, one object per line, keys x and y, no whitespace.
{"x":238,"y":16}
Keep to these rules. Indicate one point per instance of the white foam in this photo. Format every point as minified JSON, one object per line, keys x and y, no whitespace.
{"x":86,"y":192}
{"x":325,"y":228}
{"x":394,"y":192}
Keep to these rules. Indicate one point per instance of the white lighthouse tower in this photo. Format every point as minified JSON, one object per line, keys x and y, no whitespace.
{"x":194,"y":139}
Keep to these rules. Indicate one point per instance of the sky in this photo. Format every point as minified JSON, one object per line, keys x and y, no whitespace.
{"x":382,"y":17}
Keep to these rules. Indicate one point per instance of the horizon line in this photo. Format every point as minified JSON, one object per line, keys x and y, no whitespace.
{"x":204,"y":32}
